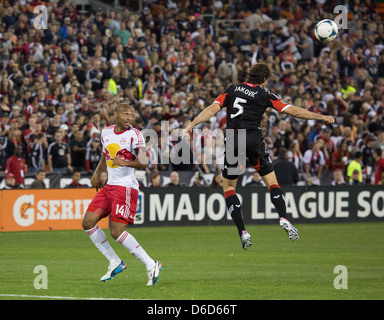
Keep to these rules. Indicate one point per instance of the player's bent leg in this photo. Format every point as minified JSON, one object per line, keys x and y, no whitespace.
{"x":90,"y":219}
{"x":99,"y":239}
{"x":117,"y":228}
{"x":117,"y":266}
{"x":277,"y":198}
{"x":129,"y":242}
{"x":234,"y":208}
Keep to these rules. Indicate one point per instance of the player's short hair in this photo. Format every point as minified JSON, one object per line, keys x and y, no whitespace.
{"x":259,"y":73}
{"x":358,"y":155}
{"x":118,"y":106}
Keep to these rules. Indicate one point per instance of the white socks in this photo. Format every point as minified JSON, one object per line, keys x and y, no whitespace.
{"x":130,"y":243}
{"x":99,"y":238}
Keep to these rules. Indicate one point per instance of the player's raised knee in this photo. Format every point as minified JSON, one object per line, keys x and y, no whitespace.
{"x":116,"y":229}
{"x":88,"y":221}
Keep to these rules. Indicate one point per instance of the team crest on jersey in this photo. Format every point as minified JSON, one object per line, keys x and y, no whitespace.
{"x":112,"y":149}
{"x":123,"y":140}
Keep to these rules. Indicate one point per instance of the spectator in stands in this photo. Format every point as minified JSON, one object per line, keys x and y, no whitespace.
{"x":355,"y":178}
{"x":59,"y":157}
{"x":4,"y":145}
{"x":340,"y":157}
{"x":78,"y":148}
{"x":178,"y":51}
{"x":175,"y":180}
{"x":380,"y":139}
{"x":10,"y":182}
{"x":379,"y":164}
{"x":92,"y":155}
{"x":338,"y":178}
{"x":36,"y":157}
{"x":16,"y":166}
{"x":314,"y":162}
{"x":295,"y":156}
{"x":155,"y":180}
{"x":39,"y":183}
{"x":286,"y":171}
{"x":355,"y":164}
{"x":368,"y":159}
{"x":256,"y":180}
{"x":75,"y":184}
{"x":381,"y":181}
{"x":217,"y":181}
{"x":199,"y":180}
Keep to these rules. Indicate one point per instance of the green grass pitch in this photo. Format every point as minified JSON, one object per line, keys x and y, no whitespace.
{"x":205,"y":263}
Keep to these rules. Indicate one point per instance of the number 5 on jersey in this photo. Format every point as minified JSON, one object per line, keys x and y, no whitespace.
{"x":237,"y":105}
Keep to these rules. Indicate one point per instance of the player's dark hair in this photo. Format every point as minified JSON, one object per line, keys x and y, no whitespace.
{"x":358,"y":155}
{"x":259,"y":73}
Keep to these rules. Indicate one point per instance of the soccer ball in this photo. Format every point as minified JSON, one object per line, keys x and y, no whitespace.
{"x":326,"y":30}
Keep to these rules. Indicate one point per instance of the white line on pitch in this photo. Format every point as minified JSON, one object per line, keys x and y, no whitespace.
{"x":57,"y":297}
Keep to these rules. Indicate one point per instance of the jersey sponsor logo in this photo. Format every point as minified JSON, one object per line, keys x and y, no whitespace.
{"x":114,"y":150}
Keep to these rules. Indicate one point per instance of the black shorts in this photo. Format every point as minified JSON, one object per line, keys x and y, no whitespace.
{"x":240,"y":145}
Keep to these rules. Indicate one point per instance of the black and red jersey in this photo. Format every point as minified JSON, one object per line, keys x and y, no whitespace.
{"x":246,"y":104}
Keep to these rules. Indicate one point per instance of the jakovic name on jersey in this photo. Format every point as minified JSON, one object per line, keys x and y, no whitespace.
{"x":246,"y":91}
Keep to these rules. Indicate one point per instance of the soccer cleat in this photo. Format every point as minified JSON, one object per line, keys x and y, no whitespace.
{"x":154,"y":273}
{"x":113,"y":270}
{"x":245,"y":239}
{"x":292,"y":232}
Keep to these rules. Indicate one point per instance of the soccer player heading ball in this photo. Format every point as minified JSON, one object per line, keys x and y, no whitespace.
{"x":246,"y":103}
{"x":123,"y":150}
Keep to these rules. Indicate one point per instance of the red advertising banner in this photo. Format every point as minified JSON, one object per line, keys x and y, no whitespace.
{"x":52,"y":209}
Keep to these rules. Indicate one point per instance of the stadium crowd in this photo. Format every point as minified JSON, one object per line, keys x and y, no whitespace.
{"x":58,"y":85}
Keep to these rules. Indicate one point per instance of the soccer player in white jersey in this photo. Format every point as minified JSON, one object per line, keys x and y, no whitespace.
{"x":123,"y":151}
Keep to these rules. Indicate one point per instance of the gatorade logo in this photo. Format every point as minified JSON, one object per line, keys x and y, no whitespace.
{"x":26,"y":211}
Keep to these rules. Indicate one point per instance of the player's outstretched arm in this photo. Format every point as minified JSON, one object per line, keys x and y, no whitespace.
{"x":203,"y":116}
{"x":302,"y":113}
